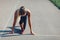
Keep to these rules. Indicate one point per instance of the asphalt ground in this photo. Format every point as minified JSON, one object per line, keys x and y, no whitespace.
{"x":45,"y":19}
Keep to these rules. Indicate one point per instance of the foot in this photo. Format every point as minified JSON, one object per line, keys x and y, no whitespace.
{"x":22,"y":31}
{"x":32,"y":33}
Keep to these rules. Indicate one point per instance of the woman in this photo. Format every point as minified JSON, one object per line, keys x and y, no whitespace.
{"x":24,"y":15}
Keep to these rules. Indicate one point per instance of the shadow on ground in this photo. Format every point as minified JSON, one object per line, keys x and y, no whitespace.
{"x":5,"y":33}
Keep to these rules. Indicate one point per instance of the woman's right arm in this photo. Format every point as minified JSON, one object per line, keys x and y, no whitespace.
{"x":15,"y":18}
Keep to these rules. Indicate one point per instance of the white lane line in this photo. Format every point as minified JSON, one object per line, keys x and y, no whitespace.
{"x":48,"y":35}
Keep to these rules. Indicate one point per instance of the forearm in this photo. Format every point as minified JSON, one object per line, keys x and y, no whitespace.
{"x":13,"y":26}
{"x":14,"y":23}
{"x":30,"y":26}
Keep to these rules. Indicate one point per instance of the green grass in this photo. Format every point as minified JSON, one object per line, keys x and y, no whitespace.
{"x":56,"y":3}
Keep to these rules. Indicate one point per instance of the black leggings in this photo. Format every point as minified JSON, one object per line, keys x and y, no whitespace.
{"x":23,"y":20}
{"x":24,"y":24}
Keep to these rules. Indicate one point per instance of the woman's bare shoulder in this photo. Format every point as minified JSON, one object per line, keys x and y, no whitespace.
{"x":17,"y":12}
{"x":28,"y":10}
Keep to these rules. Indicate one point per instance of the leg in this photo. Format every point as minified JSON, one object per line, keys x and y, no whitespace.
{"x":23,"y":26}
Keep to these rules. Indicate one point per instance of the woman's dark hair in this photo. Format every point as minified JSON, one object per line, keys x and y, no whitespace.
{"x":22,"y":10}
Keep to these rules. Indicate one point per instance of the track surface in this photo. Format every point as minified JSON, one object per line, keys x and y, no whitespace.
{"x":45,"y":20}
